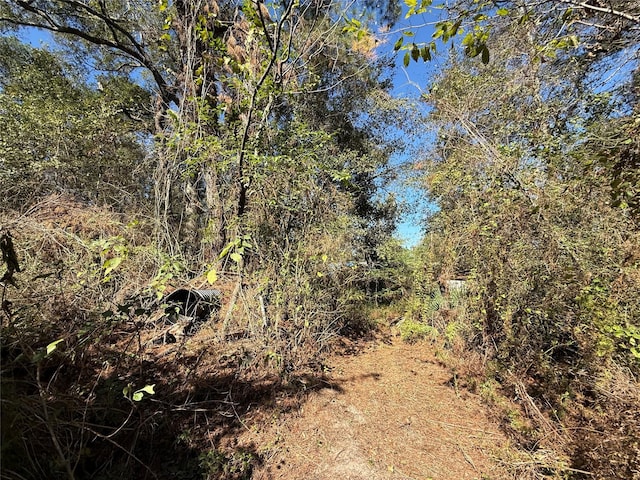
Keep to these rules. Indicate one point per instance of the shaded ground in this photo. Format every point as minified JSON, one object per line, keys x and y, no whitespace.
{"x":388,"y":413}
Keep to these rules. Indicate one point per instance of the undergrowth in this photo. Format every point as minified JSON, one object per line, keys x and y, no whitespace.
{"x":568,"y":420}
{"x":93,"y":385}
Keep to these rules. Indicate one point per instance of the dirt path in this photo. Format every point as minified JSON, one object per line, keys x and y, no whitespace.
{"x":388,"y":413}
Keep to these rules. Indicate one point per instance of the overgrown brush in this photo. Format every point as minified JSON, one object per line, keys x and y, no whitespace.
{"x":571,"y":404}
{"x":92,"y":389}
{"x":64,"y":315}
{"x":536,"y":212}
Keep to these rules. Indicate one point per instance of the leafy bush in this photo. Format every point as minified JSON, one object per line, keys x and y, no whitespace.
{"x":413,"y":331}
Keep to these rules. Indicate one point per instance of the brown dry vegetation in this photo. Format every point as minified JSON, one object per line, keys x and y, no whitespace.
{"x":235,"y":399}
{"x":240,"y":398}
{"x":65,"y":411}
{"x":390,"y":412}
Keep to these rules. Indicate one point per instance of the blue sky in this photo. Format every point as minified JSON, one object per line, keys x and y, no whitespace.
{"x":410,"y":83}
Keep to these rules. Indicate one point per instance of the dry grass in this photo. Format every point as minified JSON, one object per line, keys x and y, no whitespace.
{"x":64,"y":413}
{"x":390,"y":411}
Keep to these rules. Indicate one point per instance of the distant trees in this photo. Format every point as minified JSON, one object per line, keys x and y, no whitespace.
{"x":599,"y":29}
{"x":259,"y":135}
{"x":255,"y":137}
{"x":118,"y":35}
{"x":233,"y":82}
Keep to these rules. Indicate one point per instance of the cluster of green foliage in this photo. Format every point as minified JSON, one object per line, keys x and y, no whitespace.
{"x":59,"y":135}
{"x":256,"y":137}
{"x":535,"y":172}
{"x":250,"y":139}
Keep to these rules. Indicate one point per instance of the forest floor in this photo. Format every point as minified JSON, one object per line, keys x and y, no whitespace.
{"x":390,"y":411}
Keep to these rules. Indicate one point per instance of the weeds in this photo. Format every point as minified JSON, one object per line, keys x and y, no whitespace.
{"x":88,"y":379}
{"x":412,"y":331}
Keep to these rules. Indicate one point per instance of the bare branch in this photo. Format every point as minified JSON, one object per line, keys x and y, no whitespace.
{"x":595,"y":8}
{"x":130,"y":48}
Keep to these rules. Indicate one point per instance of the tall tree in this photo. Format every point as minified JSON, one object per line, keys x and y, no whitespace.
{"x":228,"y":76}
{"x":220,"y":70}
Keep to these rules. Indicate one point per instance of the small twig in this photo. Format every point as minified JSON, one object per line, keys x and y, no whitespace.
{"x":86,"y":409}
{"x":47,"y":422}
{"x":610,"y":10}
{"x":263,"y":312}
{"x":238,"y":416}
{"x":15,"y":475}
{"x":533,"y":411}
{"x":455,"y":385}
{"x":232,"y":304}
{"x":467,"y":457}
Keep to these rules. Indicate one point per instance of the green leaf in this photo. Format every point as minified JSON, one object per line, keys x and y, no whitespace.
{"x":226,"y":250}
{"x":148,"y":389}
{"x":415,"y":52}
{"x":111,"y":264}
{"x":524,"y":18}
{"x":453,"y":30}
{"x":212,"y":276}
{"x":424,"y":5}
{"x":138,"y":394}
{"x":407,"y":59}
{"x":236,"y":257}
{"x":53,"y":345}
{"x":412,"y":5}
{"x":398,"y":44}
{"x":426,"y":53}
{"x":567,"y":14}
{"x":485,"y":54}
{"x":503,"y":12}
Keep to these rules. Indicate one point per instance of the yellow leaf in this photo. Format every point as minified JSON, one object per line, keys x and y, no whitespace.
{"x":53,"y":345}
{"x":111,"y":264}
{"x":212,"y":276}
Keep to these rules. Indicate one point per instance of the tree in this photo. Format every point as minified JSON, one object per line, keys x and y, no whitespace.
{"x":129,"y":34}
{"x":526,"y":177}
{"x":600,"y":30}
{"x":61,"y":136}
{"x":220,"y":72}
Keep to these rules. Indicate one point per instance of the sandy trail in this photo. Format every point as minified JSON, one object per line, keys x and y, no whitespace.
{"x":388,"y":413}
